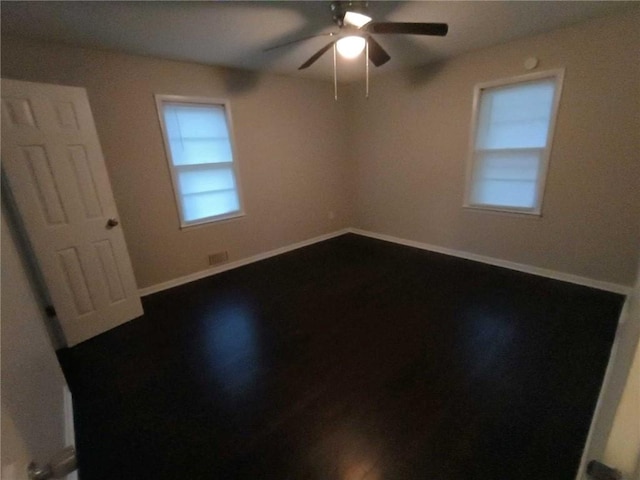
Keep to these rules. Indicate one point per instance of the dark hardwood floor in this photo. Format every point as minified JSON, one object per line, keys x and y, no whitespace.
{"x":349,"y":359}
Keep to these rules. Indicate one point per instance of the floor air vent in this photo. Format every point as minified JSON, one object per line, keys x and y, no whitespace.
{"x":219,"y":257}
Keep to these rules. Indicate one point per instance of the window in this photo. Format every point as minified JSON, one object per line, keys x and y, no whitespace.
{"x":511,"y":142}
{"x":199,"y":147}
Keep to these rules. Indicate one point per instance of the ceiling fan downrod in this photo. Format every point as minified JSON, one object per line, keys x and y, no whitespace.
{"x":366,"y":68}
{"x":335,"y":72}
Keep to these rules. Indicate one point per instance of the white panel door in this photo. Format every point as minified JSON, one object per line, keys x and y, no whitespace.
{"x":52,"y":160}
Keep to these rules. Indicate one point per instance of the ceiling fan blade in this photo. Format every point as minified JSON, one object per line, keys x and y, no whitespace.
{"x":377,"y":54}
{"x":302,"y":39}
{"x":316,"y":56}
{"x":438,"y":29}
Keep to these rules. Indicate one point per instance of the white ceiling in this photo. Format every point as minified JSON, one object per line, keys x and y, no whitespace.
{"x":235,"y":33}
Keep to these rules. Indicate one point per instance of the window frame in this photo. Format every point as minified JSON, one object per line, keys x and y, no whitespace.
{"x":558,"y":76}
{"x":161,"y":100}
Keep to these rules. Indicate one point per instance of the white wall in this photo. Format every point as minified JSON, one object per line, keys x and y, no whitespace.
{"x":410,"y":149}
{"x":392,"y":164}
{"x":33,"y":426}
{"x":289,"y":144}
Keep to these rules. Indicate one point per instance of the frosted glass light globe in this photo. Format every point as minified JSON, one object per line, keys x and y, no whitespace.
{"x":351,"y":46}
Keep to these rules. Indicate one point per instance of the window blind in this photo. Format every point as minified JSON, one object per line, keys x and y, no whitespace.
{"x":512,"y":138}
{"x":201,"y":158}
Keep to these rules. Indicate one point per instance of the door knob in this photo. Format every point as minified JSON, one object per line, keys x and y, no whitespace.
{"x":112,"y":222}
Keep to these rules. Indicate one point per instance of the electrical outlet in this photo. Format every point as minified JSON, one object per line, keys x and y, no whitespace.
{"x":217,"y":258}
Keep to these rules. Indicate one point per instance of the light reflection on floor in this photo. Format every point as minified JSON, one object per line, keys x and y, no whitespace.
{"x":350,"y":453}
{"x":232,"y":348}
{"x":490,"y":339}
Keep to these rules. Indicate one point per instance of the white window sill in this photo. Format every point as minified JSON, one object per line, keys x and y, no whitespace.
{"x":506,"y":211}
{"x":212,"y":220}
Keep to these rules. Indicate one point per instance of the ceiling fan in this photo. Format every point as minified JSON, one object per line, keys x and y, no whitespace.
{"x":355,"y":30}
{"x":354,"y":35}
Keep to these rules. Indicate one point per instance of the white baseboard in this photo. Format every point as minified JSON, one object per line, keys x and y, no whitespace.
{"x":543,"y":272}
{"x":238,"y":263}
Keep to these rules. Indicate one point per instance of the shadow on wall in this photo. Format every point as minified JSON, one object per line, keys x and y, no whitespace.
{"x":239,"y":81}
{"x":418,"y":76}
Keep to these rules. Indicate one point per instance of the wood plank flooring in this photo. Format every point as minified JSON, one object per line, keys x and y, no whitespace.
{"x":351,"y":359}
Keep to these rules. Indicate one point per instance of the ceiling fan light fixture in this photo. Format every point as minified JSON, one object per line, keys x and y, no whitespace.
{"x":356,"y":19}
{"x":351,"y":46}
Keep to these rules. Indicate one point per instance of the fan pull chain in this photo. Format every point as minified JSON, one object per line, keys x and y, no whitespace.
{"x":366,"y":67}
{"x":335,"y":72}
